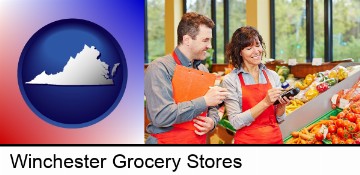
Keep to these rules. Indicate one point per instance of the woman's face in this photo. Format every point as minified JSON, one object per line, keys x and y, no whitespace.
{"x":252,"y":54}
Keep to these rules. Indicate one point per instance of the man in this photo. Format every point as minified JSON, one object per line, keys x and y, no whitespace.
{"x":194,"y":39}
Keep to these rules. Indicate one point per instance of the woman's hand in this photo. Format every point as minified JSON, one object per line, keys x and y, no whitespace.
{"x":272,"y":95}
{"x":280,"y":108}
{"x":284,"y":101}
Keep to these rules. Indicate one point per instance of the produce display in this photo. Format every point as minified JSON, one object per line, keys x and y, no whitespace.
{"x":315,"y":84}
{"x":339,"y":126}
{"x":309,"y":135}
{"x":345,"y":127}
{"x":342,"y":128}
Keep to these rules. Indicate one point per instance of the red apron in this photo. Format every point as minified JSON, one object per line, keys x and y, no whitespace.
{"x":182,"y":133}
{"x":264,"y":130}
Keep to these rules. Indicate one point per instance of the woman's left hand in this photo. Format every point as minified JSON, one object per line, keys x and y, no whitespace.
{"x":284,"y":101}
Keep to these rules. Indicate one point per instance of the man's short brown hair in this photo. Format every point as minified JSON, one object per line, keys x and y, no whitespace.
{"x":189,"y":25}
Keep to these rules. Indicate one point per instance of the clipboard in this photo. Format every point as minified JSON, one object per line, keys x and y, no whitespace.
{"x":189,"y":84}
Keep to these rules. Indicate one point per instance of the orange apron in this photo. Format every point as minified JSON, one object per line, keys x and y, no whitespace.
{"x":182,"y":133}
{"x":264,"y":130}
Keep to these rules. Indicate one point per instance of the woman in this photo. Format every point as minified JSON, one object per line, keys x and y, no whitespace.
{"x":253,"y":89}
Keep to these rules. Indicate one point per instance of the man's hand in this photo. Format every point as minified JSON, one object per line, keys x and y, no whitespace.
{"x":203,"y":125}
{"x":215,"y":95}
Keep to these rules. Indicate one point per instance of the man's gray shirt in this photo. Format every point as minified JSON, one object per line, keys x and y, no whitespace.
{"x":161,"y":108}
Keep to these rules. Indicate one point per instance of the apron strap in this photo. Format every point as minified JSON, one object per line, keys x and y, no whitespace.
{"x":182,"y":133}
{"x":242,"y":82}
{"x":176,"y":58}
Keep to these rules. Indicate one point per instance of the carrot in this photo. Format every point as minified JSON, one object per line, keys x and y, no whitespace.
{"x":290,"y":141}
{"x":295,"y":134}
{"x":333,"y":118}
{"x":315,"y":129}
{"x":305,"y":137}
{"x":310,"y":127}
{"x":322,"y":122}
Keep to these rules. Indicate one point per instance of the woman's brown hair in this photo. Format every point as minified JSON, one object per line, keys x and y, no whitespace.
{"x":242,"y":38}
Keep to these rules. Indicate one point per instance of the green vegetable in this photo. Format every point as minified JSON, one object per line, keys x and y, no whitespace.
{"x":331,"y":81}
{"x":277,"y":68}
{"x":324,"y":78}
{"x":320,"y":74}
{"x":283,"y":71}
{"x":282,"y":78}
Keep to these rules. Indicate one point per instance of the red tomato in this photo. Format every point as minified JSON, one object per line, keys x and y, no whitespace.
{"x":309,"y":142}
{"x":318,"y":142}
{"x":357,"y":141}
{"x":355,"y":108}
{"x":349,"y":141}
{"x":332,"y":129}
{"x":312,"y":141}
{"x":340,"y":132}
{"x":339,"y":123}
{"x":334,"y":136}
{"x":346,"y":134}
{"x":356,"y":135}
{"x":357,"y":118}
{"x":351,"y":127}
{"x":346,"y":123}
{"x":330,"y":122}
{"x":335,"y":141}
{"x":341,"y":115}
{"x":319,"y":136}
{"x":328,"y":136}
{"x":351,"y":117}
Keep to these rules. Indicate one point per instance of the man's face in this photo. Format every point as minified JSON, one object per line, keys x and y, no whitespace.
{"x":201,"y":43}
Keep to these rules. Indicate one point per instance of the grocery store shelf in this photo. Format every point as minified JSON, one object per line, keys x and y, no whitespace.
{"x":315,"y":107}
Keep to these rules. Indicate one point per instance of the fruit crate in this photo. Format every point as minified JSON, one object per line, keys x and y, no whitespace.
{"x":326,"y":116}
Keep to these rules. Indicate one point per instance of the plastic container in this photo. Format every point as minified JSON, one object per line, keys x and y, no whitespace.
{"x":285,"y":85}
{"x":326,"y":116}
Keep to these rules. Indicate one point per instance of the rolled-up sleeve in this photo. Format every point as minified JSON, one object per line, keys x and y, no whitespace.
{"x":214,"y":115}
{"x":281,"y":118}
{"x":237,"y":118}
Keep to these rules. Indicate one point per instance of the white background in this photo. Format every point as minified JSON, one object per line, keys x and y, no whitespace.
{"x":260,"y":160}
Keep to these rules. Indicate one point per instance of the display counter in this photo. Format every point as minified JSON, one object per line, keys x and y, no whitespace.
{"x":315,"y":107}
